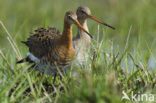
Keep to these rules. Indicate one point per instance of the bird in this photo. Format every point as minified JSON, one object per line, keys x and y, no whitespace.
{"x":49,"y":48}
{"x":82,"y":41}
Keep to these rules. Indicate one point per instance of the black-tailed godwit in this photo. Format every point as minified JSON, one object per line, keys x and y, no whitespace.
{"x":48,"y":48}
{"x":82,"y":41}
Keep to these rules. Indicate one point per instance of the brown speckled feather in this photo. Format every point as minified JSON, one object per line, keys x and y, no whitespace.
{"x":41,"y":41}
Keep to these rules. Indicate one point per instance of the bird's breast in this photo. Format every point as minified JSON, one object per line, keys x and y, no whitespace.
{"x":61,"y":53}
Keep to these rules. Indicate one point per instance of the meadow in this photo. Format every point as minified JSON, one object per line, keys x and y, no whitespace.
{"x":126,"y":56}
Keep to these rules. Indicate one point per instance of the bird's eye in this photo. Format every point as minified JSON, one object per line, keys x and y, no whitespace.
{"x":83,"y":12}
{"x":69,"y":17}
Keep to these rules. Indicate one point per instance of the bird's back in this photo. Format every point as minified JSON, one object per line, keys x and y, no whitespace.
{"x":42,"y":40}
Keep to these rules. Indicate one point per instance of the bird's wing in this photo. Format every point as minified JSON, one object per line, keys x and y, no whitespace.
{"x":40,"y":41}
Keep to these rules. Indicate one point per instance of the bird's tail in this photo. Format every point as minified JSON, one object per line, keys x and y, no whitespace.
{"x":27,"y":59}
{"x":21,"y":61}
{"x":25,"y":42}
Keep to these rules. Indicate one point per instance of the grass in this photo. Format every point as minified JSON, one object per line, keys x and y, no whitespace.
{"x":126,"y":59}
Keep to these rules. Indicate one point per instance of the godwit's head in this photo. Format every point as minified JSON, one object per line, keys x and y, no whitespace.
{"x":84,"y":12}
{"x":71,"y":18}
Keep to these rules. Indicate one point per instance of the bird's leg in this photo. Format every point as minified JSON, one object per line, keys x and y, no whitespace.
{"x":54,"y":78}
{"x":60,"y":78}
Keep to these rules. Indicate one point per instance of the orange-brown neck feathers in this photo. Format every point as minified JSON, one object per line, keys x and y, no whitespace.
{"x":67,"y":33}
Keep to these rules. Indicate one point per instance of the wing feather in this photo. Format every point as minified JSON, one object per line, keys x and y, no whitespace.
{"x":40,"y":41}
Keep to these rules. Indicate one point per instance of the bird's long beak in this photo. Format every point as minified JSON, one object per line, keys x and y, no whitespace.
{"x":99,"y":21}
{"x":79,"y":25}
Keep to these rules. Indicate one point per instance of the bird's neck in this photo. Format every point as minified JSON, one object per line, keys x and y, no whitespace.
{"x":67,"y":34}
{"x":81,"y":33}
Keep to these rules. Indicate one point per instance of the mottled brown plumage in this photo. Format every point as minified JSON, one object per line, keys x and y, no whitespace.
{"x":41,"y":41}
{"x":49,"y":48}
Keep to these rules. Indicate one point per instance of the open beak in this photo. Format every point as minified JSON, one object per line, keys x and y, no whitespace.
{"x":78,"y":24}
{"x":99,"y":21}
